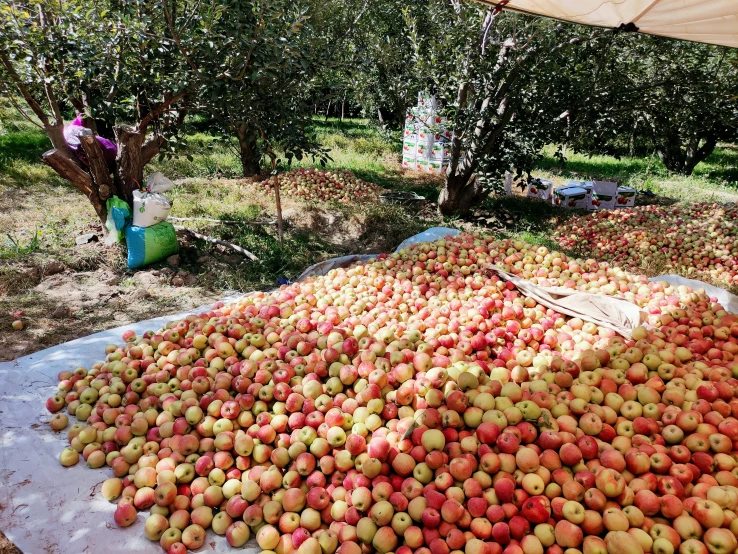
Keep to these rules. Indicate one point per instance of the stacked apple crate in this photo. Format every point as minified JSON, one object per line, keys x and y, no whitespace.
{"x":426,"y":140}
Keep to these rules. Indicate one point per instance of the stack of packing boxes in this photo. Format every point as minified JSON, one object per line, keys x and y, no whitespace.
{"x":599,"y":195}
{"x":426,"y":140}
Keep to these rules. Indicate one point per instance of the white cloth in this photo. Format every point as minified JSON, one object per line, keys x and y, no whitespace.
{"x":606,"y":311}
{"x":710,"y":21}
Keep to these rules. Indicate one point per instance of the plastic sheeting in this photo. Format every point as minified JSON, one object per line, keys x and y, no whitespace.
{"x":729,"y":301}
{"x":431,"y":235}
{"x":709,"y":21}
{"x":321,"y":268}
{"x":45,"y":508}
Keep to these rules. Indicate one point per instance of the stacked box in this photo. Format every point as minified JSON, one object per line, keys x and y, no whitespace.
{"x":426,"y":102}
{"x":574,"y":198}
{"x":540,"y":188}
{"x":437,"y":166}
{"x":431,"y":150}
{"x":408,"y":146}
{"x":440,"y":150}
{"x":586,"y":185}
{"x":626,"y":197}
{"x":603,"y":195}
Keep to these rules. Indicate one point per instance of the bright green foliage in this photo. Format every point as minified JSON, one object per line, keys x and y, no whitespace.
{"x":675,"y":98}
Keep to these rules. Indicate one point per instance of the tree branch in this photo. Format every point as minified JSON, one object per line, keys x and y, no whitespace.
{"x":69,"y":170}
{"x":151,"y":148}
{"x":98,"y":166}
{"x":160,"y":109}
{"x":175,"y":37}
{"x":17,"y":81}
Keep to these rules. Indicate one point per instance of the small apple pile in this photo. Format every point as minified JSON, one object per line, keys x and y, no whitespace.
{"x":417,"y":404}
{"x":695,"y":239}
{"x":324,"y":186}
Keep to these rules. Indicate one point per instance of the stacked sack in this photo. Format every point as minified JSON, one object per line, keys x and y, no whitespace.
{"x":151,"y":238}
{"x":148,"y":235}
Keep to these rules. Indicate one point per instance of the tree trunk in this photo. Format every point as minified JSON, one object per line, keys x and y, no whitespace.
{"x":129,"y":163}
{"x":696,"y":155}
{"x":99,"y":169}
{"x":672,"y":158}
{"x":250,"y":165}
{"x":81,"y":180}
{"x":459,"y":194}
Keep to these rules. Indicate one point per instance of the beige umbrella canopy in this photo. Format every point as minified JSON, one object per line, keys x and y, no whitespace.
{"x":709,"y":21}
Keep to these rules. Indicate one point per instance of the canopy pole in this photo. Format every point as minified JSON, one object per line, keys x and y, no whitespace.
{"x":644,"y":12}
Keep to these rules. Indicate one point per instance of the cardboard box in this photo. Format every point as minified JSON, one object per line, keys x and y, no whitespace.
{"x":626,"y":197}
{"x":540,"y":188}
{"x":603,"y":195}
{"x":441,"y":150}
{"x":422,"y":149}
{"x":426,"y":102}
{"x":586,"y":185}
{"x":439,"y":120}
{"x":443,"y":133}
{"x":408,"y":146}
{"x":408,"y":162}
{"x":437,"y":166}
{"x":573,"y":198}
{"x":421,"y":164}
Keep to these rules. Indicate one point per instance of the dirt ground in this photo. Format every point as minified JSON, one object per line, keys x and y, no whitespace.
{"x":7,"y":547}
{"x":64,"y":290}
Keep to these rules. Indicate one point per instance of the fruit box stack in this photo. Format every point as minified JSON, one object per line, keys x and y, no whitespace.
{"x":573,"y":198}
{"x":426,"y":141}
{"x":540,"y":188}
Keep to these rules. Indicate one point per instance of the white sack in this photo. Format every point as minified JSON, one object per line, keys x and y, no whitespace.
{"x":606,"y":311}
{"x":729,"y":301}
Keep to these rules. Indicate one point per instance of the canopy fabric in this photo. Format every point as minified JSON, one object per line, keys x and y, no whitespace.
{"x":708,"y":21}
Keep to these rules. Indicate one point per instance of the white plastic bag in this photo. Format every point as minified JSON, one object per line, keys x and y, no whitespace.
{"x":150,"y":206}
{"x":727,"y":300}
{"x":430,"y":235}
{"x":508,"y":183}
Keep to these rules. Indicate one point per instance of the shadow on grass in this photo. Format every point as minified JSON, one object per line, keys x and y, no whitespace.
{"x":27,"y":146}
{"x":721,"y":165}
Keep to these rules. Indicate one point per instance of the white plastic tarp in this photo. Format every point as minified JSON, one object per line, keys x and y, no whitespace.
{"x":45,"y":508}
{"x":729,"y":301}
{"x":709,"y":21}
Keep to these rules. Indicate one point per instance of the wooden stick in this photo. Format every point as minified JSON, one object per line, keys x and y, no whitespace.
{"x":212,"y":240}
{"x":225,"y":221}
{"x":203,"y":219}
{"x":279,"y":211}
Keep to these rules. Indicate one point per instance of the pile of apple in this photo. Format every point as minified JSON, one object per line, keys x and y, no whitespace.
{"x":417,"y":404}
{"x":323,"y":186}
{"x":697,"y":239}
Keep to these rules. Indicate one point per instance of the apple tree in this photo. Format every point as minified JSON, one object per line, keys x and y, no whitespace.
{"x":498,"y":75}
{"x":677,"y":98}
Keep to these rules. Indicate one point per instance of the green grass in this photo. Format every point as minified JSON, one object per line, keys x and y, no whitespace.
{"x":715,"y":179}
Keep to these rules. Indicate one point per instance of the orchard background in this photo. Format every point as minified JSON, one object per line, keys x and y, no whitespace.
{"x":322,"y":85}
